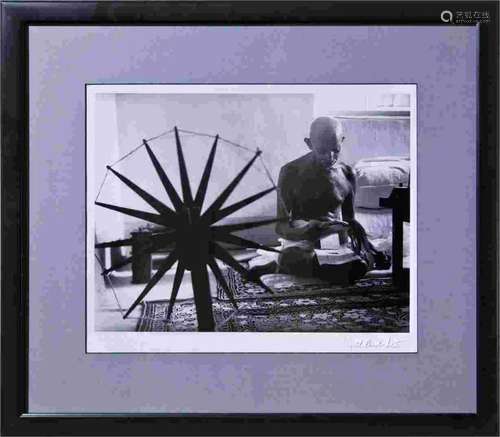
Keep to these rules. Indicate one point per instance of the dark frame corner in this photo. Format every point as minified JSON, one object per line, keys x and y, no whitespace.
{"x":16,"y":16}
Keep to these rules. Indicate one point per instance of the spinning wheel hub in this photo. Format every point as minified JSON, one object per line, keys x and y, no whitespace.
{"x":191,"y":214}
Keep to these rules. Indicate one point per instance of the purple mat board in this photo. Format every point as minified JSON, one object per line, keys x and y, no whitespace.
{"x":439,"y":378}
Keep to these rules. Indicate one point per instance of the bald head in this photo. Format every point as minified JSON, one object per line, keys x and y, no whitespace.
{"x":325,"y":138}
{"x":323,"y":128}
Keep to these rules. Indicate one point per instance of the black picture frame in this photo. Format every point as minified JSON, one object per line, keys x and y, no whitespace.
{"x":16,"y":420}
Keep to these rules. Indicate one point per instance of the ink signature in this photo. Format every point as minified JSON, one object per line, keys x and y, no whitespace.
{"x":376,"y":343}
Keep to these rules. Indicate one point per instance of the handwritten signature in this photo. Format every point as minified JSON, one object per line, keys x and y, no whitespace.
{"x":376,"y":343}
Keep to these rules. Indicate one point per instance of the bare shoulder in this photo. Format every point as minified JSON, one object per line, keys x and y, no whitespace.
{"x":293,"y":168}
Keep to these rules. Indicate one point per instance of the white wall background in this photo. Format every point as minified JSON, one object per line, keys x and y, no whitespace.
{"x":372,"y":137}
{"x":106,"y":151}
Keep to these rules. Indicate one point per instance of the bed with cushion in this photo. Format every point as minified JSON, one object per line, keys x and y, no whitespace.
{"x":375,"y":179}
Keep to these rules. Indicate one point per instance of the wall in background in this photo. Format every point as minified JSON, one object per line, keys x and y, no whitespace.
{"x":371,"y":137}
{"x":109,"y":225}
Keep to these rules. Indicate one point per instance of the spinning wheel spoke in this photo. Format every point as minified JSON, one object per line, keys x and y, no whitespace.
{"x":169,"y":188}
{"x":179,"y":274}
{"x":220,"y":253}
{"x":221,"y":280}
{"x":238,"y":205}
{"x":230,"y":188}
{"x":227,"y":258}
{"x":202,"y":189}
{"x":118,"y":265}
{"x":186,"y":187}
{"x":153,"y":218}
{"x":243,"y":242}
{"x":243,"y":226}
{"x":116,"y":243}
{"x":164,"y":268}
{"x":151,"y":200}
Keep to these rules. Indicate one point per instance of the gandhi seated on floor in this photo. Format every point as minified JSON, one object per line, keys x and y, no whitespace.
{"x":316,"y":199}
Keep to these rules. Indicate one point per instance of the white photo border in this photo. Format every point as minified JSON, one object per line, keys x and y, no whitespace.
{"x":242,"y":342}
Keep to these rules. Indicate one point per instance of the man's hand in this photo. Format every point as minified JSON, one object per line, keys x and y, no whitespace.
{"x":314,"y":230}
{"x":333,"y":218}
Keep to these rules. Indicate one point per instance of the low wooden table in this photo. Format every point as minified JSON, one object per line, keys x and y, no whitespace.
{"x":399,"y":202}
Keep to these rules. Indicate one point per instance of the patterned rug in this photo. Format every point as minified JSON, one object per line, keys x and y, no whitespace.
{"x":373,"y":304}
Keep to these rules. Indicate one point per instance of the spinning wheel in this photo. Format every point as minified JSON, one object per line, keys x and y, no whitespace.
{"x":195,"y":236}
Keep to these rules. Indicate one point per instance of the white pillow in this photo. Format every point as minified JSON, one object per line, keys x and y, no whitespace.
{"x":376,"y":177}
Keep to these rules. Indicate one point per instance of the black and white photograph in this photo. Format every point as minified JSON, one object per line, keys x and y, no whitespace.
{"x":251,"y":218}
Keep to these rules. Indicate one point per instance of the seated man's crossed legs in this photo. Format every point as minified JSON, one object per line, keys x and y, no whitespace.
{"x":299,"y":258}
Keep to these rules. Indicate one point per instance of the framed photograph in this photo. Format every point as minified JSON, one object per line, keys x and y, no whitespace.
{"x":350,"y":293}
{"x":249,"y":218}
